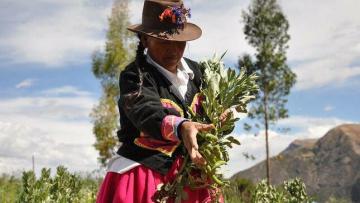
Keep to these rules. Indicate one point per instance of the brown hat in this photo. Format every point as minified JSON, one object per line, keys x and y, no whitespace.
{"x":167,"y":20}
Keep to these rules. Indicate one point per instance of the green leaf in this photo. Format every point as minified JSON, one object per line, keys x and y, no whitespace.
{"x":233,"y":140}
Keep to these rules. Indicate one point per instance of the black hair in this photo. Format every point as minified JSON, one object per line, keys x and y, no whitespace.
{"x":140,"y":61}
{"x":140,"y":65}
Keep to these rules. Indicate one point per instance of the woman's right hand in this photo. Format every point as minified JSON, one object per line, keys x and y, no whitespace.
{"x":189,"y":130}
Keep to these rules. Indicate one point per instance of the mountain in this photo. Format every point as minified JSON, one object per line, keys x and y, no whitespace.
{"x":329,"y":166}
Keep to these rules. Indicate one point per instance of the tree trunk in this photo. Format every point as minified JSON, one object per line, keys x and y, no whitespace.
{"x":267,"y":139}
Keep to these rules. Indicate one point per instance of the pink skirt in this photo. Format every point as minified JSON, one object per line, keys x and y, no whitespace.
{"x":138,"y":185}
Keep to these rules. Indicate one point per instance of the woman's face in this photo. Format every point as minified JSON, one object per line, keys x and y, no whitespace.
{"x":166,"y":53}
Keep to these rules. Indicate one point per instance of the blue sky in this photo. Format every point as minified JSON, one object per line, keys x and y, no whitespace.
{"x":47,"y":89}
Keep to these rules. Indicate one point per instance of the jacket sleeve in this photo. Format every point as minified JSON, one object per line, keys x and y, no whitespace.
{"x":146,"y":111}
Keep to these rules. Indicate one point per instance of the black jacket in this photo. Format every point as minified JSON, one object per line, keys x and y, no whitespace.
{"x":141,"y":119}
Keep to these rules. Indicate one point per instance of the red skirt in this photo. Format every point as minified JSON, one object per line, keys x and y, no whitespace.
{"x":138,"y":185}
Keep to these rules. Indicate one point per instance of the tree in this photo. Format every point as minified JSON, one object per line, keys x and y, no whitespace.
{"x":266,"y":29}
{"x":106,"y":66}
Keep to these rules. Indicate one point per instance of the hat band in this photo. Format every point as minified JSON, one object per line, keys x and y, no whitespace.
{"x":159,"y":26}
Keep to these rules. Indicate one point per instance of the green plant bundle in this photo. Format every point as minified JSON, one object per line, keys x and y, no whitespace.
{"x":222,"y":89}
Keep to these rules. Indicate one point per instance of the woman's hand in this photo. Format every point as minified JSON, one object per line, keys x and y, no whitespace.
{"x":189,"y":130}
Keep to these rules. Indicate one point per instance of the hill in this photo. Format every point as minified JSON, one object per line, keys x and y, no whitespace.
{"x":329,"y":166}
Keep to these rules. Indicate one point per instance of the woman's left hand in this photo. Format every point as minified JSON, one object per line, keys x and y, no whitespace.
{"x":189,"y":131}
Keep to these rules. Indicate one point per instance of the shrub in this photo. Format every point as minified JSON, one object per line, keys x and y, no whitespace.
{"x":63,"y":187}
{"x":291,"y":191}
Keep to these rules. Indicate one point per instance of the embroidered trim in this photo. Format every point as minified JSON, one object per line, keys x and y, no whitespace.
{"x":196,"y":104}
{"x":164,"y":147}
{"x":168,"y":130}
{"x":169,"y":127}
{"x":167,"y":103}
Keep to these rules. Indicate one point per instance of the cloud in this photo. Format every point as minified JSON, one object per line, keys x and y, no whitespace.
{"x":333,"y":72}
{"x":324,"y":41}
{"x":25,"y":83}
{"x":306,"y":128}
{"x":222,"y":30}
{"x":324,"y":44}
{"x":66,"y":90}
{"x":57,"y":129}
{"x":135,"y":11}
{"x":52,"y":33}
{"x":328,"y":108}
{"x":20,"y":142}
{"x":52,"y":108}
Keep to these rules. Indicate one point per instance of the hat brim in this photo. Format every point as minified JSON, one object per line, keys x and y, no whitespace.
{"x":189,"y":33}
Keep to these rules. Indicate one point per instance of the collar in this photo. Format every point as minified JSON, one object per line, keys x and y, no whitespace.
{"x":183,"y":66}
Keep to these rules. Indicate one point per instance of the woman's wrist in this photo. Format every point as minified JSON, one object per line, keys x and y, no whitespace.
{"x":181,"y":128}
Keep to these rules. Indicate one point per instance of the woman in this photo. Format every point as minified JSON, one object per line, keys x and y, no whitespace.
{"x":156,"y":91}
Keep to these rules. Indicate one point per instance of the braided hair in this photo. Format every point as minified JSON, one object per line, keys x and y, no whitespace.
{"x":140,"y":64}
{"x":140,"y":61}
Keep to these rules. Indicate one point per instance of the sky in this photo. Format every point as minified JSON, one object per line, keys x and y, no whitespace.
{"x":47,"y":89}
